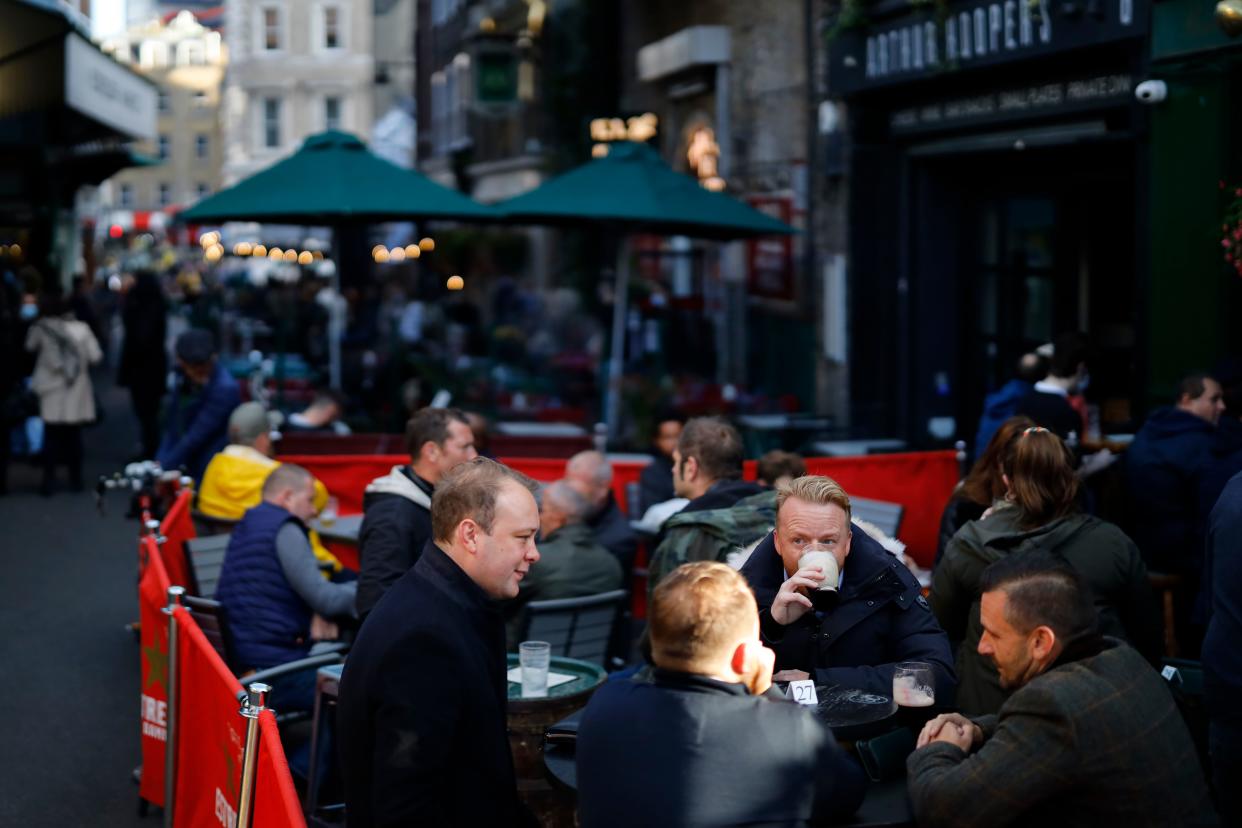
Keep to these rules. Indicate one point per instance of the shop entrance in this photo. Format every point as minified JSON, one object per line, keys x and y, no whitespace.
{"x":1016,"y":247}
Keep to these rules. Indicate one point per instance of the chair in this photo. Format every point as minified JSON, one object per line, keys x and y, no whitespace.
{"x":212,"y":619}
{"x":575,"y":627}
{"x":883,"y":515}
{"x":1167,"y":586}
{"x":210,"y":524}
{"x":205,"y":558}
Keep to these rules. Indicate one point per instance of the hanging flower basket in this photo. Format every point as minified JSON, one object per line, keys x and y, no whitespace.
{"x":1231,"y":229}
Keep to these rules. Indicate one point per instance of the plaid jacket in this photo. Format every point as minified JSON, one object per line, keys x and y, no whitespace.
{"x":1097,"y":741}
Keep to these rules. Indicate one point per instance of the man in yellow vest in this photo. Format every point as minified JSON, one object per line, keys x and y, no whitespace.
{"x":234,"y":478}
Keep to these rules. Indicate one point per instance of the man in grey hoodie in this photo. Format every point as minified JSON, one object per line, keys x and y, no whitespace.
{"x":396,"y":523}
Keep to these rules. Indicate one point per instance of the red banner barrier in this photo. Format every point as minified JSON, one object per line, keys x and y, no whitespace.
{"x":920,"y":481}
{"x":152,"y":598}
{"x":210,"y":735}
{"x":178,"y":527}
{"x":347,"y":476}
{"x":275,"y":799}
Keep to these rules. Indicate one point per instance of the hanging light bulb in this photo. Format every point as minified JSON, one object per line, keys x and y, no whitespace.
{"x":428,"y":244}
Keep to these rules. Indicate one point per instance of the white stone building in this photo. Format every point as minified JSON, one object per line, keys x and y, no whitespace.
{"x":296,"y":67}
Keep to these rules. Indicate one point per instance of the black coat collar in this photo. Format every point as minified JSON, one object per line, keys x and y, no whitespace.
{"x":694,"y":683}
{"x":869,"y":567}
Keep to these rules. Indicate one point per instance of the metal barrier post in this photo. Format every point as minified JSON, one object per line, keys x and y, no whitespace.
{"x":153,"y":529}
{"x":253,"y":703}
{"x":175,"y":594}
{"x":962,"y":468}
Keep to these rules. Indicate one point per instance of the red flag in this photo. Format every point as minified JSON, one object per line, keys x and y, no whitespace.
{"x":152,"y":597}
{"x":275,"y":799}
{"x":178,"y":528}
{"x":210,"y":733}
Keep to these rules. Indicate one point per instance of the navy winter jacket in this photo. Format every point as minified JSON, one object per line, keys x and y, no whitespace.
{"x":269,"y":621}
{"x":1222,"y":657}
{"x":197,"y":427}
{"x":1163,"y":468}
{"x":882,"y":619}
{"x":998,"y":406}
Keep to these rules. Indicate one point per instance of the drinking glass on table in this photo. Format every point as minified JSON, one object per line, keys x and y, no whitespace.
{"x":914,"y":684}
{"x":327,"y":516}
{"x":535,"y":658}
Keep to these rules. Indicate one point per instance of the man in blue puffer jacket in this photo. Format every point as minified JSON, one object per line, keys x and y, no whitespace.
{"x":271,"y":588}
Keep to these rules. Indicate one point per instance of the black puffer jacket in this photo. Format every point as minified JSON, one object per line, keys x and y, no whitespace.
{"x":396,"y":525}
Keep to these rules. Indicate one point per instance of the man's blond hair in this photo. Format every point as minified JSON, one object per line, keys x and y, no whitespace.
{"x":698,"y":612}
{"x":815,"y":489}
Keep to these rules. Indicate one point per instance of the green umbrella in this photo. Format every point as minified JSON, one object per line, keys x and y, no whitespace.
{"x":632,"y":190}
{"x":333,"y":180}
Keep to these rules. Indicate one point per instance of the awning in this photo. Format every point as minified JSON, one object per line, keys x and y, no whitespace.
{"x":49,"y":65}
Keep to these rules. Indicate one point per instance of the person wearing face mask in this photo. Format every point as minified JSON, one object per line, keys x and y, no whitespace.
{"x":696,"y":721}
{"x":852,"y":636}
{"x":204,"y":394}
{"x":1040,"y":511}
{"x":1051,"y":401}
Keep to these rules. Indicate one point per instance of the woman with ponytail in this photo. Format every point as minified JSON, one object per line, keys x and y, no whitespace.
{"x":1039,"y":511}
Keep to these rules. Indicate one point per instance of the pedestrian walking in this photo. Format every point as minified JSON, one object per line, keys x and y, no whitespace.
{"x":65,"y":349}
{"x":144,"y":359}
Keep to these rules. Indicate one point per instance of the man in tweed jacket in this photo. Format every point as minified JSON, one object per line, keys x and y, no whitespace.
{"x":1089,"y":737}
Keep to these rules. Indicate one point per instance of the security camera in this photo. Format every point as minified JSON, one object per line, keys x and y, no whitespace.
{"x":1151,"y":92}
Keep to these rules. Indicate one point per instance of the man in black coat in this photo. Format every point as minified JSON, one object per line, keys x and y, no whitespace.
{"x":701,"y":744}
{"x":396,"y":522}
{"x":1047,"y":403}
{"x":1222,"y":657}
{"x":655,"y":483}
{"x":423,"y":697}
{"x":854,"y":636}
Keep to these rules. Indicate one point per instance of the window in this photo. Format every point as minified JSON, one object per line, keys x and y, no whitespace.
{"x":332,"y":113}
{"x":200,"y":146}
{"x":163,"y":147}
{"x":271,"y":123}
{"x":165,"y":195}
{"x":332,"y":27}
{"x":165,"y":102}
{"x":191,"y":53}
{"x":127,"y":195}
{"x":271,"y":29}
{"x":202,"y":190}
{"x":201,"y":99}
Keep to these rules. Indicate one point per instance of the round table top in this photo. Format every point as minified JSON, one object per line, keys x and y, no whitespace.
{"x":587,"y":677}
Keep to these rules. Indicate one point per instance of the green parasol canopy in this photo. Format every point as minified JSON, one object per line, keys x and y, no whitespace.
{"x":333,"y":180}
{"x":632,"y":188}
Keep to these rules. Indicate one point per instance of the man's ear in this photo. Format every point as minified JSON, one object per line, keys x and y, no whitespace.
{"x":689,"y":468}
{"x":1043,"y":642}
{"x":739,"y":662}
{"x":468,"y":535}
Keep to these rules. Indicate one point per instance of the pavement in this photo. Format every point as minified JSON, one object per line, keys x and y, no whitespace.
{"x":69,"y":710}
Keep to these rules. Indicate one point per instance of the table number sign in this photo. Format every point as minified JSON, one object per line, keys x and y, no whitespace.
{"x":803,"y":692}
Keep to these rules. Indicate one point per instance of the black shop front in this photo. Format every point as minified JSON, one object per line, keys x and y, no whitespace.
{"x":996,"y":180}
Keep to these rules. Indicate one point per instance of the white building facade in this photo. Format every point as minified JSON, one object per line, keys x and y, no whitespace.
{"x":296,"y":67}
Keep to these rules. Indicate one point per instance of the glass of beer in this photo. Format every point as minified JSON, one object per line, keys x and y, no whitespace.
{"x":818,"y":555}
{"x":914,"y":684}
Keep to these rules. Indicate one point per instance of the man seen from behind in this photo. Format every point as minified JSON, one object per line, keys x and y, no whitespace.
{"x":701,"y":744}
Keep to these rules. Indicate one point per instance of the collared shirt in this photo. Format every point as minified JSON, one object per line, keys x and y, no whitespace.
{"x":1045,"y":387}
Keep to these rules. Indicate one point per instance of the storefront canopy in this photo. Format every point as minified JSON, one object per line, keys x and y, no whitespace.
{"x":632,"y":189}
{"x":58,"y":89}
{"x":333,"y":180}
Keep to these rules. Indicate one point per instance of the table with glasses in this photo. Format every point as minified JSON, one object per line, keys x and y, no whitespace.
{"x":886,"y":804}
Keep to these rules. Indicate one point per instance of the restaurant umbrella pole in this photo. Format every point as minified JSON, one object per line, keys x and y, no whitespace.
{"x":175,"y":594}
{"x":616,"y":357}
{"x":253,"y":702}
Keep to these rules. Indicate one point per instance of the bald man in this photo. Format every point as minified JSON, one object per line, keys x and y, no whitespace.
{"x":571,"y":562}
{"x":590,"y":474}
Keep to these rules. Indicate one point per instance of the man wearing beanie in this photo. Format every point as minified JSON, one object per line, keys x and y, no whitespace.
{"x":203,"y":396}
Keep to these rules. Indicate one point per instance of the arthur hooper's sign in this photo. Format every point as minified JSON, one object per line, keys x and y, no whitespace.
{"x":925,"y":44}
